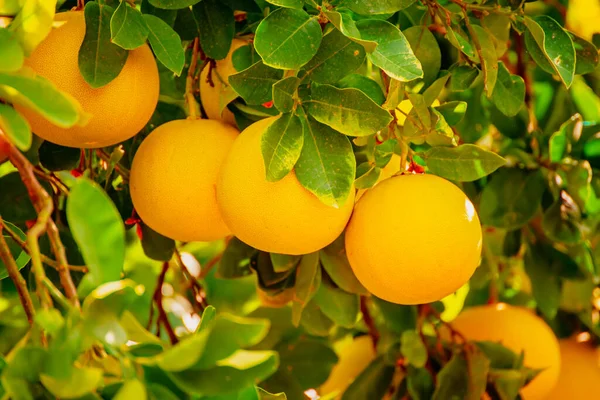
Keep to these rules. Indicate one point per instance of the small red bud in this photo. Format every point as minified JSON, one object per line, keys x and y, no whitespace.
{"x":268,"y":104}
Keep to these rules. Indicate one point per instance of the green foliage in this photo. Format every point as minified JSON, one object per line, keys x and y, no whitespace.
{"x":515,"y":126}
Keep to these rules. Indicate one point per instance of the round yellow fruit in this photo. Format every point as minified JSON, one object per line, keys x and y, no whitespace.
{"x":173,"y":178}
{"x":353,"y":359}
{"x":583,"y":16}
{"x":519,"y":329}
{"x":118,"y":110}
{"x":405,"y":107}
{"x":414,"y":239}
{"x":579,"y":373}
{"x":211,"y":95}
{"x":279,"y":217}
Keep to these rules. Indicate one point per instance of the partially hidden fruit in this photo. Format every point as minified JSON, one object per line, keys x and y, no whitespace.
{"x":279,"y":217}
{"x":519,"y":329}
{"x":173,"y":178}
{"x":404,"y":109}
{"x":579,"y":372}
{"x":354,"y":357}
{"x":118,"y":110}
{"x":211,"y":95}
{"x":414,"y":239}
{"x":583,"y":16}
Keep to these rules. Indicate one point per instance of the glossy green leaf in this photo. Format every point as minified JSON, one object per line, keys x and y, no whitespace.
{"x":40,"y":95}
{"x":288,"y":38}
{"x":101,"y":234}
{"x":284,"y":262}
{"x":11,"y":52}
{"x":586,"y":55}
{"x":419,"y":383}
{"x":314,"y":322}
{"x":367,"y":175}
{"x":100,"y":60}
{"x":185,"y":354}
{"x":235,"y":262}
{"x":555,"y":44}
{"x":128,"y":29}
{"x":326,"y":166}
{"x":169,"y":16}
{"x":131,"y":389}
{"x":264,"y":395}
{"x":427,"y":51}
{"x":560,"y":221}
{"x":80,"y":382}
{"x":464,"y":163}
{"x":155,"y":245}
{"x":488,"y":59}
{"x":366,"y":85}
{"x":393,"y":53}
{"x":348,"y":111}
{"x":173,"y":4}
{"x":559,"y":142}
{"x":335,"y":262}
{"x":511,"y":198}
{"x":297,"y":4}
{"x":372,"y":383}
{"x":586,"y":99}
{"x":281,"y":145}
{"x":453,"y":379}
{"x":545,"y":283}
{"x":509,"y":92}
{"x":337,"y":57}
{"x":255,"y":83}
{"x":33,"y":23}
{"x":458,"y":39}
{"x":308,"y":280}
{"x":413,"y":348}
{"x":244,"y":56}
{"x":299,"y":360}
{"x":369,"y":7}
{"x":15,"y":127}
{"x":283,"y":93}
{"x":216,"y":27}
{"x":463,"y":77}
{"x":20,"y":256}
{"x":340,"y":306}
{"x":166,"y":44}
{"x":242,"y":369}
{"x":344,"y":23}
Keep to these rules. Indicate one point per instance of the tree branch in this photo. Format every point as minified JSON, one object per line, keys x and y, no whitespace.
{"x":162,"y":315}
{"x":364,"y":309}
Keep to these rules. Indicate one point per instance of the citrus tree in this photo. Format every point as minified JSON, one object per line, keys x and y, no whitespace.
{"x":410,"y":210}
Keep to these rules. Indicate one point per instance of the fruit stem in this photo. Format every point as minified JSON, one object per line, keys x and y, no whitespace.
{"x":193,"y":107}
{"x":366,"y":314}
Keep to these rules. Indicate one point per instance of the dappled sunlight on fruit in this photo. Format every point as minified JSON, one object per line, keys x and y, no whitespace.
{"x":410,"y":239}
{"x":519,"y":329}
{"x":280,"y":217}
{"x":118,"y":110}
{"x":173,"y":178}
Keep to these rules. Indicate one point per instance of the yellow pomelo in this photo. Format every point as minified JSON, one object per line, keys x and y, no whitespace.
{"x":173,"y":178}
{"x":579,"y":372}
{"x":211,"y":95}
{"x":278,"y":217}
{"x":583,"y":17}
{"x":392,"y":167}
{"x":519,"y":329}
{"x":406,"y":107}
{"x":414,"y":239}
{"x":354,"y":357}
{"x":118,"y":110}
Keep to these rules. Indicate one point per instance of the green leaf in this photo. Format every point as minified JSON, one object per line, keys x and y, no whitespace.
{"x":166,"y":44}
{"x":283,"y":92}
{"x":509,"y":92}
{"x":369,"y":7}
{"x":283,"y":262}
{"x":11,"y":52}
{"x":131,"y":389}
{"x":366,"y":85}
{"x":33,"y":23}
{"x":337,"y":57}
{"x":413,"y":348}
{"x":297,"y":4}
{"x":560,"y":221}
{"x":80,"y":382}
{"x":586,"y":99}
{"x":335,"y":262}
{"x":464,"y":163}
{"x":169,"y":16}
{"x":40,"y":95}
{"x":326,"y":166}
{"x":586,"y":55}
{"x":173,"y":4}
{"x":281,"y":145}
{"x":344,"y":23}
{"x":243,"y":57}
{"x":452,"y":382}
{"x":216,"y":27}
{"x":299,"y":360}
{"x":100,"y":235}
{"x":155,"y":245}
{"x":58,"y":158}
{"x":183,"y":355}
{"x":341,"y":307}
{"x":308,"y":280}
{"x":100,"y":60}
{"x":235,"y":262}
{"x":560,"y":140}
{"x":288,"y":38}
{"x":20,"y":256}
{"x":463,"y":77}
{"x":242,"y":369}
{"x":545,"y":285}
{"x":555,"y":44}
{"x":512,"y":198}
{"x":452,"y":111}
{"x":427,"y":51}
{"x":419,"y":383}
{"x":393,"y":53}
{"x":367,"y":175}
{"x":348,"y":111}
{"x":372,"y":383}
{"x":15,"y":127}
{"x":457,"y":38}
{"x":264,"y":395}
{"x":314,"y":322}
{"x":128,"y":29}
{"x":159,"y":392}
{"x":488,"y":60}
{"x":255,"y":83}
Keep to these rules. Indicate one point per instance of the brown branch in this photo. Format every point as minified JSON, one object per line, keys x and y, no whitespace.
{"x":162,"y":315}
{"x":16,"y":277}
{"x":190,"y":81}
{"x":364,"y":309}
{"x":63,"y":265}
{"x":50,"y":177}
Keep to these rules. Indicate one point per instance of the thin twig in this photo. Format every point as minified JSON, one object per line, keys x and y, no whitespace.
{"x":63,"y":265}
{"x":121,"y":170}
{"x":162,"y":315}
{"x":16,"y":277}
{"x":192,"y":104}
{"x":364,"y":309}
{"x":50,"y":177}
